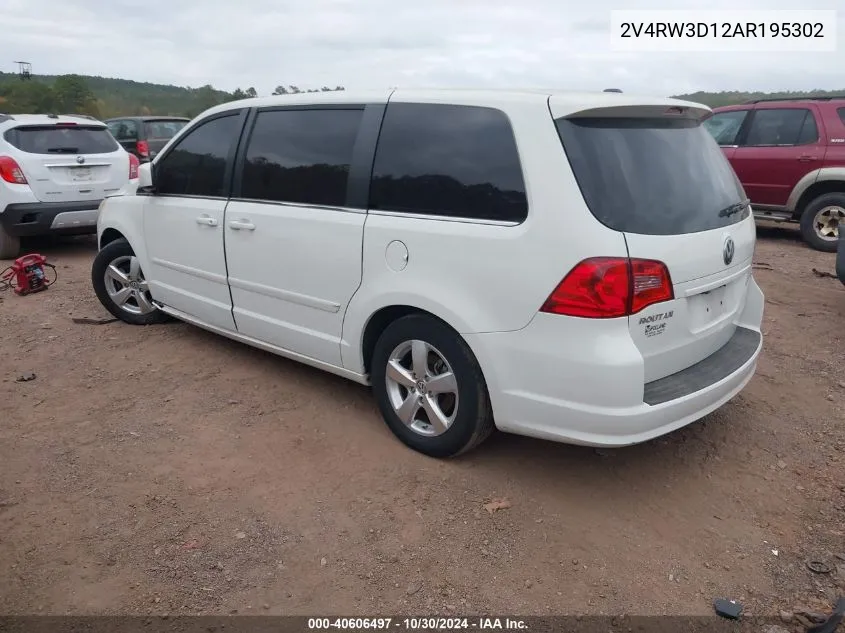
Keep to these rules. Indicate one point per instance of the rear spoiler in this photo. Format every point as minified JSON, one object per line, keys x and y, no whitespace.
{"x":679,"y":111}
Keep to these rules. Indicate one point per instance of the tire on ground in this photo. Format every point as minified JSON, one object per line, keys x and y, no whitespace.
{"x":110,"y":252}
{"x":808,"y":229}
{"x":474,"y":419}
{"x":10,"y":245}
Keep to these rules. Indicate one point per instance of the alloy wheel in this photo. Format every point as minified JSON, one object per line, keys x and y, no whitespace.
{"x":422,"y":388}
{"x":127,"y":287}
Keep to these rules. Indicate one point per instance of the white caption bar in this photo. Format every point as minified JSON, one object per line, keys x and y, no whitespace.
{"x":724,"y":31}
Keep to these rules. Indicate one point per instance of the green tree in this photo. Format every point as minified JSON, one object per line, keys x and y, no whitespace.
{"x":27,"y":97}
{"x":280,"y":90}
{"x":73,"y":96}
{"x":251,"y":93}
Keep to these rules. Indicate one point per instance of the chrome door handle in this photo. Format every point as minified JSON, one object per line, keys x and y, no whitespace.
{"x":207,"y":220}
{"x":238,"y":225}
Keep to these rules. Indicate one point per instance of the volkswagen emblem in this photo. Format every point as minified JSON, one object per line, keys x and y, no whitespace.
{"x":80,"y":159}
{"x":728,"y":251}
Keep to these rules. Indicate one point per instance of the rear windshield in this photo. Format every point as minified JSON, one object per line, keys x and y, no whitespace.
{"x":62,"y":139}
{"x":655,"y":176}
{"x":164,"y":129}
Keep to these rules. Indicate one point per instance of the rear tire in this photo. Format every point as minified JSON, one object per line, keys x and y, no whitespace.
{"x":822,"y":220}
{"x":429,"y":387}
{"x":120,"y":285}
{"x":10,"y":245}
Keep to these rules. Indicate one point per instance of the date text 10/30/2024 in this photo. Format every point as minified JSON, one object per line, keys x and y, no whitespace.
{"x":417,"y":624}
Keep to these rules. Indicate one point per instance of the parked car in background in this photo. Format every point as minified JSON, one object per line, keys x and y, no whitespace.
{"x":469,"y":269}
{"x":54,"y":173}
{"x":789,"y":155}
{"x":144,"y":136}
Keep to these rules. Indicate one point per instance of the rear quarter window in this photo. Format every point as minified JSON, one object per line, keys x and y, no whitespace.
{"x":62,"y":139}
{"x":655,"y":176}
{"x":448,"y":160}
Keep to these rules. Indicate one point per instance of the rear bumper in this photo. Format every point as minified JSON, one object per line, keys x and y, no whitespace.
{"x":39,"y":218}
{"x":589,"y":389}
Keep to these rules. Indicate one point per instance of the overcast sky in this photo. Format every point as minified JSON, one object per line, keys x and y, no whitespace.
{"x":384,"y":43}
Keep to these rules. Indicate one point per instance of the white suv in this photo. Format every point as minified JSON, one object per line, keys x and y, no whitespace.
{"x":54,"y":172}
{"x":575,"y":267}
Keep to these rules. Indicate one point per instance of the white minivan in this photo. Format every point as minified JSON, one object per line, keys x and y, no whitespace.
{"x":569,"y":266}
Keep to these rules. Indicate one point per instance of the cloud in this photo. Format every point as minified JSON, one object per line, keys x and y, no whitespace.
{"x":384,"y":43}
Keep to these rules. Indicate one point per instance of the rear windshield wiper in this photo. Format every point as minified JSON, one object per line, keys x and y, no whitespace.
{"x":63,"y":150}
{"x":734,"y":208}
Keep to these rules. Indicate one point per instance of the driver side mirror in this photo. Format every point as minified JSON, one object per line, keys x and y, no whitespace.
{"x":145,"y":178}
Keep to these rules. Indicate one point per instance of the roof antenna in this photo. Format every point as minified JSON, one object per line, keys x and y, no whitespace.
{"x":611,"y":90}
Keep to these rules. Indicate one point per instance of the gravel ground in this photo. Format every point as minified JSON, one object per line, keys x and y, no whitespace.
{"x":167,"y":470}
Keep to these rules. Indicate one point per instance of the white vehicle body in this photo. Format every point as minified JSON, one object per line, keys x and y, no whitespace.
{"x":54,"y":172}
{"x":320,"y":282}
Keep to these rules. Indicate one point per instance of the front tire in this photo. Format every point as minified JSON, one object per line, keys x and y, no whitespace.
{"x":821,"y":221}
{"x":10,"y":245}
{"x":429,"y":387}
{"x":121,"y":287}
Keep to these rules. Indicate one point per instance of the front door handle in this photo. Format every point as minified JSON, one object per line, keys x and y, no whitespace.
{"x":241,"y":225}
{"x":806,"y":158}
{"x":207,"y":220}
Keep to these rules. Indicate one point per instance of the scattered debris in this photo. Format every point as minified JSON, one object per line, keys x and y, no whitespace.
{"x":25,"y":377}
{"x":725,"y":608}
{"x":818,"y":567}
{"x":823,"y":273}
{"x":240,"y":535}
{"x":86,"y":321}
{"x":786,"y":616}
{"x":762,"y":266}
{"x":497,"y":504}
{"x":323,"y":562}
{"x":413,"y":588}
{"x":781,"y":464}
{"x":528,"y":584}
{"x":775,"y":552}
{"x":191,"y":545}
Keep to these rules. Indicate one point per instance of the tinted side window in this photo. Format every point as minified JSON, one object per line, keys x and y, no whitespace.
{"x":448,"y":160}
{"x":197,"y":164}
{"x":776,"y":127}
{"x":809,"y":131}
{"x":301,"y":156}
{"x":841,"y":112}
{"x":725,"y":126}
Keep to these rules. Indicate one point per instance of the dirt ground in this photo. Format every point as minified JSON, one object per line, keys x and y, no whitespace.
{"x":163,"y":469}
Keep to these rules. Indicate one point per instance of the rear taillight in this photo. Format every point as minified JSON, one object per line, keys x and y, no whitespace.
{"x":608,"y":287}
{"x":133,"y":167}
{"x":144,"y":148}
{"x":10,"y":171}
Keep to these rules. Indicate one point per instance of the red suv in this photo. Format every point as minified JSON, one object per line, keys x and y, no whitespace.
{"x":789,"y":155}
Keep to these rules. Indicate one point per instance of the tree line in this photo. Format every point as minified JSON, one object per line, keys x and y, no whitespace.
{"x":104,"y":98}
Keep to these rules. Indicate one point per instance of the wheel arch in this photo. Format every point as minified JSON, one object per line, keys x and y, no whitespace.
{"x":108,"y":236}
{"x":831,"y":180}
{"x":381,"y":319}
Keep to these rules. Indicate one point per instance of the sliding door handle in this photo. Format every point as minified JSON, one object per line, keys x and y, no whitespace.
{"x":241,"y":225}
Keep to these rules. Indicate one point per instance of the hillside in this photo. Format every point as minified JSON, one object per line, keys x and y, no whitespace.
{"x":108,"y":97}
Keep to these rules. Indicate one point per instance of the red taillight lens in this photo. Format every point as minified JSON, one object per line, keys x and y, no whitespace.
{"x":143,"y":148}
{"x":133,"y":167}
{"x":609,"y":287}
{"x":10,"y":171}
